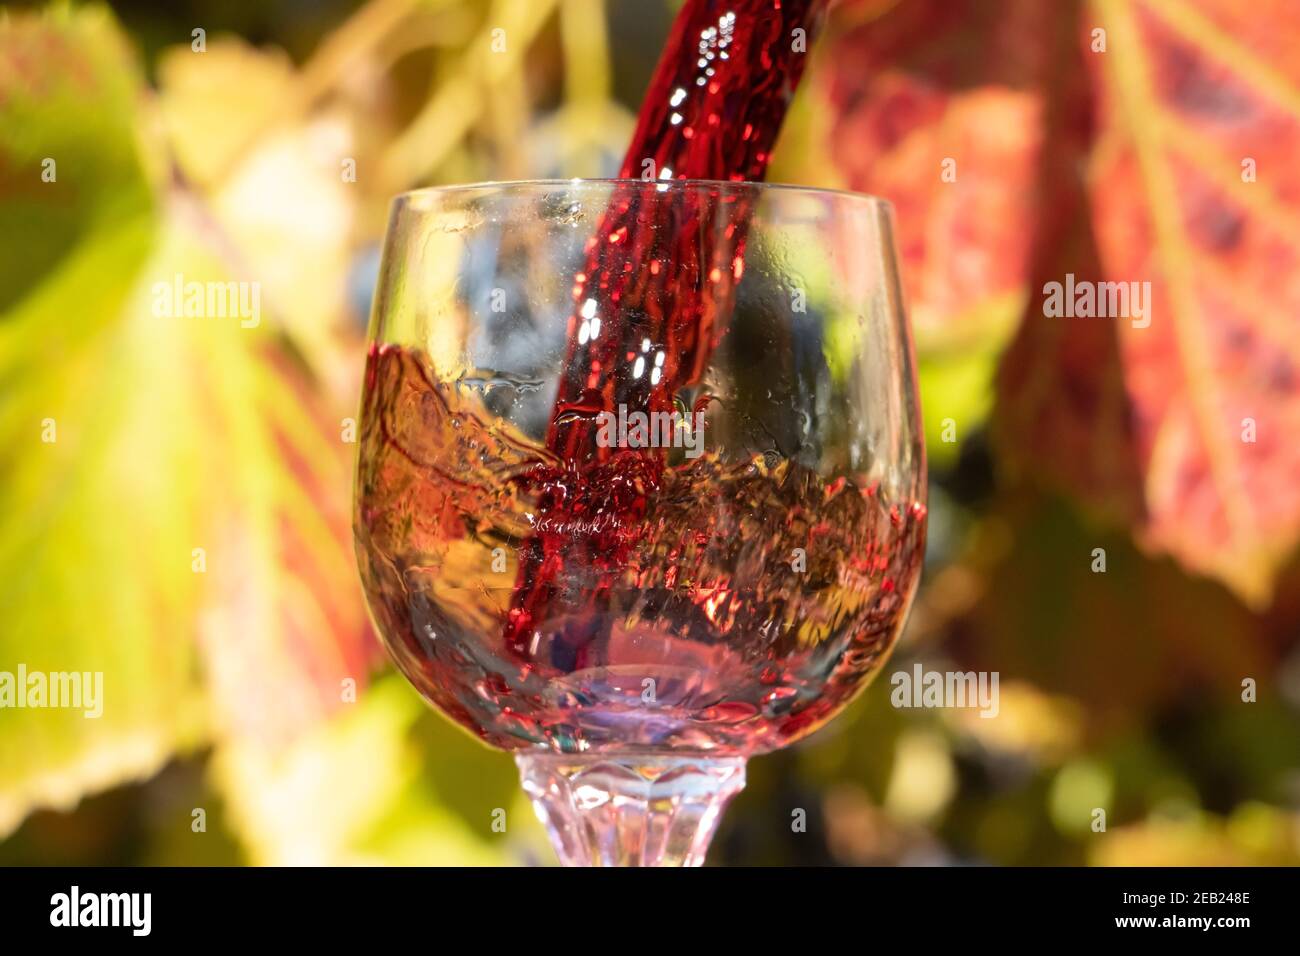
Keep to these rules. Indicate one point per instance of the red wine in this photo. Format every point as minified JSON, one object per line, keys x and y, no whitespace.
{"x":589,"y":597}
{"x":655,"y":280}
{"x":709,"y":633}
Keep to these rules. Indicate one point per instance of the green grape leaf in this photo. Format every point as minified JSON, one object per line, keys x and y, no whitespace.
{"x":173,"y":489}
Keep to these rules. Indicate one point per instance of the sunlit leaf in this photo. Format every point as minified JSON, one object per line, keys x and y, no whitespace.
{"x":184,"y":532}
{"x":88,"y":459}
{"x":1189,"y":91}
{"x":1172,"y":129}
{"x":937,"y":107}
{"x":69,"y":162}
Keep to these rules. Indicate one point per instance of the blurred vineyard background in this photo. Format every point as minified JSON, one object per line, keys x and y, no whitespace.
{"x":225,"y":690}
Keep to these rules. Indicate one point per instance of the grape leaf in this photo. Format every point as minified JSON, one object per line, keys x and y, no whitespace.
{"x":70,"y":244}
{"x":175,"y":493}
{"x":68,"y":157}
{"x":925,"y":117}
{"x":1186,"y":94}
{"x":936,"y":107}
{"x":1135,"y":141}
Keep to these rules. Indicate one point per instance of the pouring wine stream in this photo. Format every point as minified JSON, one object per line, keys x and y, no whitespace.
{"x":648,"y":312}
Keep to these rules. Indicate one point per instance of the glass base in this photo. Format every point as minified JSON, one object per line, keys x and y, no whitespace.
{"x":630,"y":809}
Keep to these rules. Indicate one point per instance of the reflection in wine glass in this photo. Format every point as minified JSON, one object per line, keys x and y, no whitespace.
{"x":641,"y":483}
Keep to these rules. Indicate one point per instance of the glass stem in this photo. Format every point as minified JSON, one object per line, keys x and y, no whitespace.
{"x":630,"y":809}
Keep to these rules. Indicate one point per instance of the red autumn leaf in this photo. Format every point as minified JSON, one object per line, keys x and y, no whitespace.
{"x":938,"y":108}
{"x":1150,"y":142}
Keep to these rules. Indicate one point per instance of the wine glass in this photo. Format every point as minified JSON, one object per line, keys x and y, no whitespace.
{"x":641,"y":483}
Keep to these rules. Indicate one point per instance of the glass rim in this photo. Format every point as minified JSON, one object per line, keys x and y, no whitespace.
{"x":732,"y":185}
